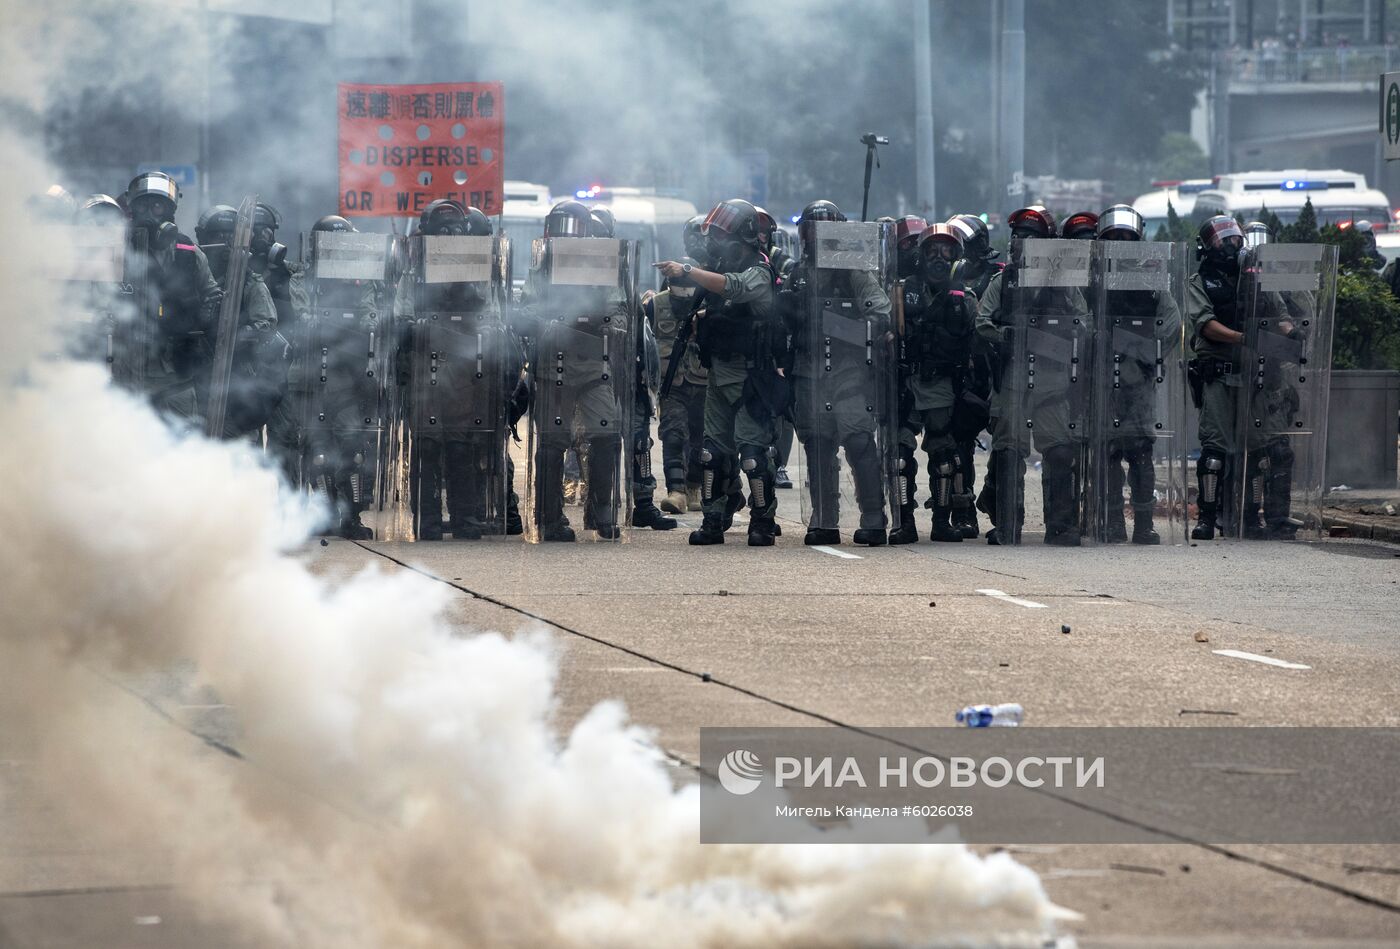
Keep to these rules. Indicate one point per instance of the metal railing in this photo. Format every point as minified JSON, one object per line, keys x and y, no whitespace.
{"x":1310,"y":64}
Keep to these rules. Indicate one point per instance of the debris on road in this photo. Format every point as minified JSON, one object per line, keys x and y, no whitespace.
{"x":1006,"y":715}
{"x":1202,"y":637}
{"x":1064,"y":629}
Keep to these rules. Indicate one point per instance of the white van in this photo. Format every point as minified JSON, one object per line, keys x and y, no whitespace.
{"x":1180,"y":194}
{"x":1336,"y":196}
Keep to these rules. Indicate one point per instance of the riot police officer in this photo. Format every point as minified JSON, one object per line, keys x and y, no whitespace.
{"x":348,"y":361}
{"x":1217,"y":317}
{"x":939,"y":321}
{"x":1050,"y":408}
{"x":648,"y":378}
{"x":745,"y":393}
{"x":1133,"y":395}
{"x":179,"y":313}
{"x":257,"y":382}
{"x":972,"y":410}
{"x":286,"y":282}
{"x":834,"y":383}
{"x":462,"y":362}
{"x":682,"y":427}
{"x":578,"y":399}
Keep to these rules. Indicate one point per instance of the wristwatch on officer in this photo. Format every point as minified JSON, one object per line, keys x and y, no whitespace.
{"x":685,"y":269}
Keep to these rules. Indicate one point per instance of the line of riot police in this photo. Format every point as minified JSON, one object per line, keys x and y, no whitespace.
{"x":390,"y":375}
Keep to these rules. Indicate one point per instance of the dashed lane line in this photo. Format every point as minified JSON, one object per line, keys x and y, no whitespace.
{"x":999,"y":595}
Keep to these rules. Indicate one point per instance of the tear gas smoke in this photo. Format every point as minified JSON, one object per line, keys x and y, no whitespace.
{"x":399,"y":784}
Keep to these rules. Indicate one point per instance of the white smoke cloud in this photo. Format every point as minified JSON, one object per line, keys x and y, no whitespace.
{"x":401,"y":784}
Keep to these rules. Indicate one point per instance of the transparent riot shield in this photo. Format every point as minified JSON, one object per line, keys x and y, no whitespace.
{"x":89,"y":268}
{"x":847,"y":379}
{"x":584,"y":364}
{"x":216,"y":406}
{"x":1135,"y":478}
{"x":352,"y":428}
{"x":1045,"y":397}
{"x":459,"y":369}
{"x":1277,"y":477}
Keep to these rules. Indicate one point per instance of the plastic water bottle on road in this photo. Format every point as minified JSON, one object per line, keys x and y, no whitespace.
{"x":1007,"y":715}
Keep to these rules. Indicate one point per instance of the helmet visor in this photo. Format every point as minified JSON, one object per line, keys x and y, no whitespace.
{"x":1122,"y":219}
{"x":566,"y":225}
{"x":1220,"y":229}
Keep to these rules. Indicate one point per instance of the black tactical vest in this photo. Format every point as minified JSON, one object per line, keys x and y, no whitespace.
{"x":1221,"y":287}
{"x":732,"y":329}
{"x":938,"y":334}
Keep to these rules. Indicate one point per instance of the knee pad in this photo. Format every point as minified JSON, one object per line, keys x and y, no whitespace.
{"x":1209,"y":469}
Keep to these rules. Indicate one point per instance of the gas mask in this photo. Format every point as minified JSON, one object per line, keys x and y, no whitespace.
{"x":151,"y":216}
{"x":679,"y":292}
{"x":726,"y":252}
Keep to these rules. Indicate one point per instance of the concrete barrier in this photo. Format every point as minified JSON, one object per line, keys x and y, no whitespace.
{"x":1361,"y":428}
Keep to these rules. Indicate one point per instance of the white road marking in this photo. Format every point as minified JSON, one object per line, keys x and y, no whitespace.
{"x":1098,"y":602}
{"x":836,"y":553}
{"x":999,"y":595}
{"x":1266,"y":660}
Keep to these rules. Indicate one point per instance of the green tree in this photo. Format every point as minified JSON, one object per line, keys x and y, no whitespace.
{"x":1366,"y":323}
{"x":1304,"y":230}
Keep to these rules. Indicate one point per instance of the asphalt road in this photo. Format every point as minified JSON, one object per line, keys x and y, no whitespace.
{"x":903,"y":636}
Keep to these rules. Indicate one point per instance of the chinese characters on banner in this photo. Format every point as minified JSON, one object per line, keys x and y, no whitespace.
{"x":402,"y":147}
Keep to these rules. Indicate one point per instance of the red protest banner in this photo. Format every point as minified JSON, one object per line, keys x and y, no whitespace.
{"x":402,"y":147}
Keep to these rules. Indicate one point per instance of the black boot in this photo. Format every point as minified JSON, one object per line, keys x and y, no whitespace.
{"x":964,"y":516}
{"x":1143,"y":532}
{"x":645,"y":513}
{"x":943,"y":530}
{"x":1003,"y":488}
{"x":908,"y":530}
{"x":870,"y":537}
{"x":711,"y":531}
{"x":761,"y":531}
{"x":821,"y":536}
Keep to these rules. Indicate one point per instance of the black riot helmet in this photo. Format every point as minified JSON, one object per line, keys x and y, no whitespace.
{"x":266,"y":221}
{"x":443,"y":217}
{"x":821,"y":210}
{"x":568,"y":219}
{"x":906,"y":236}
{"x":1220,"y":239}
{"x":100,"y":210}
{"x":334,"y":222}
{"x":216,"y":225}
{"x":604,"y":224}
{"x":767,"y":224}
{"x":977,"y":240}
{"x":152,"y":199}
{"x":1121,"y":222}
{"x":1033,"y":221}
{"x":692,"y":237}
{"x":731,"y":233}
{"x":1080,"y":226}
{"x":940,"y":245}
{"x":478,"y":224}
